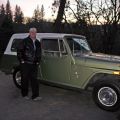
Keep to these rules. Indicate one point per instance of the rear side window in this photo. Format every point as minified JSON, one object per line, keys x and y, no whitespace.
{"x":50,"y":45}
{"x":15,"y":44}
{"x":53,"y":47}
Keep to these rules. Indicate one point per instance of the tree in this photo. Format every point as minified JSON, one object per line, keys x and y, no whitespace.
{"x":6,"y":29}
{"x":9,"y":12}
{"x":2,"y":10}
{"x":2,"y":14}
{"x":107,"y":14}
{"x":66,"y":11}
{"x":8,"y":19}
{"x":18,"y":15}
{"x":58,"y":21}
{"x":79,"y":13}
{"x":42,"y":13}
{"x":37,"y":15}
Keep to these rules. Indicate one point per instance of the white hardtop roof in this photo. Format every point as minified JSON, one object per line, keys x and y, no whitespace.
{"x":39,"y":37}
{"x":45,"y":35}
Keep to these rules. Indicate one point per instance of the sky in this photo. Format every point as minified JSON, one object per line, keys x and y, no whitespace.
{"x":28,"y":6}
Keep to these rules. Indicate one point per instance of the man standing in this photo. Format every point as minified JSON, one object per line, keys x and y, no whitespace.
{"x":29,"y":55}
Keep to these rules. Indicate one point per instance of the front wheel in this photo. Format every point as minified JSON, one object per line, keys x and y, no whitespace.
{"x":107,"y":95}
{"x":17,"y":77}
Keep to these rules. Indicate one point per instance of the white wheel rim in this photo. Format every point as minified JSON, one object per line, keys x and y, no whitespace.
{"x":18,"y":78}
{"x":107,"y":96}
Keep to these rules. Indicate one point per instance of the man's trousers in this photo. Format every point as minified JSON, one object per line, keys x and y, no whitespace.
{"x":29,"y":76}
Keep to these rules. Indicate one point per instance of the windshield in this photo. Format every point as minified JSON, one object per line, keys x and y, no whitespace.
{"x":78,"y":45}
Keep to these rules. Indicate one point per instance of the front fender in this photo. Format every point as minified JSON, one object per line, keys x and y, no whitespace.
{"x":99,"y":74}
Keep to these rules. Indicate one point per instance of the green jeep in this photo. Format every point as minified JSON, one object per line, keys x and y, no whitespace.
{"x":67,"y":61}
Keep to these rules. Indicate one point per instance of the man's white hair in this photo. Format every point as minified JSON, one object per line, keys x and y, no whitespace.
{"x":32,"y":30}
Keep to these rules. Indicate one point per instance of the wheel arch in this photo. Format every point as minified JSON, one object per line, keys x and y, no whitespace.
{"x":99,"y":77}
{"x":15,"y":70}
{"x":15,"y":67}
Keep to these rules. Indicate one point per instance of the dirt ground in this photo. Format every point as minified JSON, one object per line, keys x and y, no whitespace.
{"x":57,"y":104}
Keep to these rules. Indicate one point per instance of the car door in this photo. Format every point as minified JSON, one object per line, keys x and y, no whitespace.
{"x":79,"y":49}
{"x":55,"y":64}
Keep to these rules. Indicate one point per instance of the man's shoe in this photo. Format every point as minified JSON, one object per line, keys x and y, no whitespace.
{"x":37,"y":98}
{"x":26,"y":97}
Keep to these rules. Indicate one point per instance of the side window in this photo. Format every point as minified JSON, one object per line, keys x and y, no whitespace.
{"x":15,"y":44}
{"x":50,"y":47}
{"x":78,"y":45}
{"x":53,"y":47}
{"x":73,"y":45}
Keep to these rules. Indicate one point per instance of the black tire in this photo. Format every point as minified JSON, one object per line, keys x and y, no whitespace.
{"x":106,"y":94}
{"x":15,"y":75}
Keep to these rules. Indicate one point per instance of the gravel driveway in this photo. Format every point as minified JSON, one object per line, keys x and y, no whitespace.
{"x":57,"y":104}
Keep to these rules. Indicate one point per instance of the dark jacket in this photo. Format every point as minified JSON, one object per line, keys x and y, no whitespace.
{"x":26,"y":52}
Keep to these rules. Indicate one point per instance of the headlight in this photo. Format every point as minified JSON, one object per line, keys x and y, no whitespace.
{"x":116,"y":73}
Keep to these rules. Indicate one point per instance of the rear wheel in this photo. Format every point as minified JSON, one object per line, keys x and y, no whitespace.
{"x":107,"y":95}
{"x":17,"y":77}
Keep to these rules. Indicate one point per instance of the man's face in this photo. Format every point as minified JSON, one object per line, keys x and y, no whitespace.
{"x":33,"y":34}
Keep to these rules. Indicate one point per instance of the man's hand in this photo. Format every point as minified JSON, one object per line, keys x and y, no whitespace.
{"x":22,"y":62}
{"x":37,"y":63}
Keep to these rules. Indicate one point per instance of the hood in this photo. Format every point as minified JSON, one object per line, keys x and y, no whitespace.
{"x":102,"y":61}
{"x":105,"y":57}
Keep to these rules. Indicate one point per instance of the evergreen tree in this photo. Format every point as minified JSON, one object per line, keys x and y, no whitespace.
{"x":17,"y":11}
{"x":21,"y":17}
{"x":18,"y":15}
{"x":2,"y":10}
{"x":2,"y":14}
{"x":37,"y":15}
{"x":7,"y":24}
{"x":9,"y":15}
{"x":42,"y":13}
